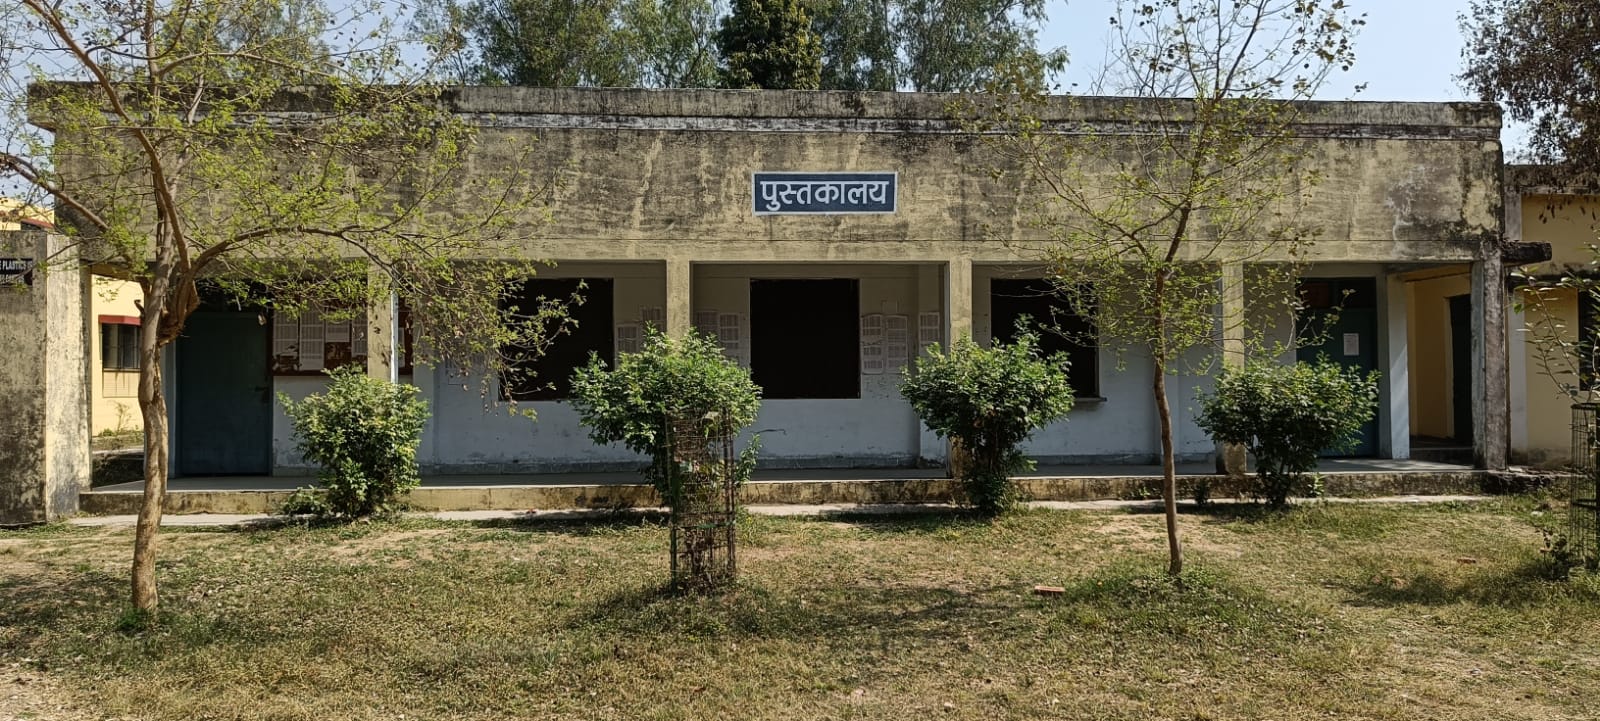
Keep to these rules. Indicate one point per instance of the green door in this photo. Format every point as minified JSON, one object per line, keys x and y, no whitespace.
{"x":224,"y":389}
{"x":1341,"y":316}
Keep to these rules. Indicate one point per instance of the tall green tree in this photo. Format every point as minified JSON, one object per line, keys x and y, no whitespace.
{"x":550,"y":43}
{"x":860,"y":43}
{"x":960,"y":45}
{"x":566,"y":43}
{"x":171,"y":161}
{"x":770,"y":44}
{"x":1540,"y":59}
{"x":1149,"y":229}
{"x":672,"y":42}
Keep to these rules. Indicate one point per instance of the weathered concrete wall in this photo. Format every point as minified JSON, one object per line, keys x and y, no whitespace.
{"x":44,"y":425}
{"x":644,"y":172}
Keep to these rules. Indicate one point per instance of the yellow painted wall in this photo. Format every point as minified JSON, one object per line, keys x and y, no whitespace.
{"x":1570,"y":225}
{"x":1429,"y":352}
{"x":1549,"y":406}
{"x":114,"y":394}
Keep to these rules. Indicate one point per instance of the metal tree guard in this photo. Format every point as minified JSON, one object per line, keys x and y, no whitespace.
{"x":702,"y":484}
{"x":1583,"y":535}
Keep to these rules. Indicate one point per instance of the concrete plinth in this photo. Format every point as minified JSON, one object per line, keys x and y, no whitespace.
{"x":44,"y":408}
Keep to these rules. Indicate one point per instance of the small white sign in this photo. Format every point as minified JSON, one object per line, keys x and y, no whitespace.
{"x":1352,"y":344}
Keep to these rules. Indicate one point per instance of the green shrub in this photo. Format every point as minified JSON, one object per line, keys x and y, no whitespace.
{"x":1286,"y":415}
{"x":988,"y":401}
{"x":668,"y":378}
{"x":363,"y":433}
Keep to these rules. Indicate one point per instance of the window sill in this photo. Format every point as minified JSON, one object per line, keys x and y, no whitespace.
{"x":1088,"y":400}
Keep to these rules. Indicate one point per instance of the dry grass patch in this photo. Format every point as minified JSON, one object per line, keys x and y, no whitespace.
{"x":1340,"y":611}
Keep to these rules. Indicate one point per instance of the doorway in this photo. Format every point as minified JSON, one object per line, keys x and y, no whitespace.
{"x":224,"y":395}
{"x":1340,"y":323}
{"x":1461,"y":368}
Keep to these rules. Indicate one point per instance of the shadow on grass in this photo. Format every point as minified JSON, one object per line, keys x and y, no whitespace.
{"x":1204,"y":606}
{"x":32,"y":605}
{"x":1529,"y":582}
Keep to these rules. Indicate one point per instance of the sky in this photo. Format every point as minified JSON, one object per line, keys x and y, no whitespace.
{"x":1409,"y":49}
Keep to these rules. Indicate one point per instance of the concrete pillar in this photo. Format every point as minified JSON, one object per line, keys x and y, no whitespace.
{"x":931,"y":449}
{"x":44,"y":400}
{"x":680,"y":295}
{"x":1491,"y":436}
{"x":957,"y":299}
{"x":1394,"y":395}
{"x":383,"y":329}
{"x":1231,"y":457}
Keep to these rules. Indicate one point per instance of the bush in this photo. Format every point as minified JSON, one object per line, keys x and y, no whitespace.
{"x":667,"y":378}
{"x":363,"y":433}
{"x":1288,"y":414}
{"x":988,"y":401}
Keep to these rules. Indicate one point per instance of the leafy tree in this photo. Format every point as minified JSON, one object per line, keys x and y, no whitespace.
{"x":548,"y":43}
{"x":363,"y":432}
{"x":1539,"y":59}
{"x":669,"y":378}
{"x":565,"y":43}
{"x":673,"y":42}
{"x":769,"y":44}
{"x":1149,"y":233}
{"x":958,"y":45}
{"x":171,"y":163}
{"x":1287,"y":415}
{"x":989,"y":400}
{"x":860,"y":43}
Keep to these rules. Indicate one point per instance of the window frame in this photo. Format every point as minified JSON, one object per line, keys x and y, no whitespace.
{"x":599,"y":294}
{"x":1050,"y":341}
{"x":123,"y":351}
{"x":761,"y":335}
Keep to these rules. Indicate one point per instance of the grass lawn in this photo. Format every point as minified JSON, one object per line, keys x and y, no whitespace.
{"x":1330,"y":611}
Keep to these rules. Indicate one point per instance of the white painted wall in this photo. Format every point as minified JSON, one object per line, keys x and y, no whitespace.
{"x":1123,"y":428}
{"x":877,"y":429}
{"x":469,"y":433}
{"x":466,"y":434}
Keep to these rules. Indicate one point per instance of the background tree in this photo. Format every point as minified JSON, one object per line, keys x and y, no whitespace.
{"x":860,"y":43}
{"x":566,"y":43}
{"x":171,"y":164}
{"x":673,"y":41}
{"x":959,"y":45}
{"x":923,"y":45}
{"x":1141,"y":229}
{"x":769,"y":44}
{"x":1540,"y":59}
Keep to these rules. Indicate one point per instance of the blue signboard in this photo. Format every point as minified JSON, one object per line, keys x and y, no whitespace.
{"x":825,"y":193}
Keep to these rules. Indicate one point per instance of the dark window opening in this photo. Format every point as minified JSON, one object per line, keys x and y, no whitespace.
{"x":548,"y":376}
{"x":119,"y":347}
{"x":805,"y":338}
{"x":1060,"y":328}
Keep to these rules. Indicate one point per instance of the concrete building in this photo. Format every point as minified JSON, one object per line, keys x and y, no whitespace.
{"x":665,"y":208}
{"x":676,"y":209}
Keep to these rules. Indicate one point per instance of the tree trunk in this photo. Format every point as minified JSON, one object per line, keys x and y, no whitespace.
{"x":153,"y":405}
{"x":1169,"y":472}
